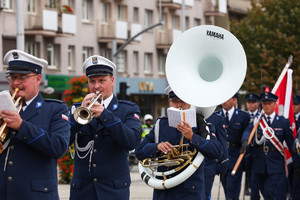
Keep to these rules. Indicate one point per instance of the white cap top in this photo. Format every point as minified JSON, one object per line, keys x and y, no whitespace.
{"x":20,"y":62}
{"x":97,"y":65}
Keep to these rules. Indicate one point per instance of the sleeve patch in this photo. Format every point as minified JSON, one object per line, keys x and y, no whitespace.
{"x":136,"y":116}
{"x":64,"y":117}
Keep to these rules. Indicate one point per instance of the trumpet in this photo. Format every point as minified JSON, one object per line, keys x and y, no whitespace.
{"x":83,"y":115}
{"x":4,"y":128}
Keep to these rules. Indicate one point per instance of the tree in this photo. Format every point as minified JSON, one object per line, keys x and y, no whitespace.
{"x":269,"y":34}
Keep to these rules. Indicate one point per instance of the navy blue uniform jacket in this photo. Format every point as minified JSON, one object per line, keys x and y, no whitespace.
{"x":235,"y":130}
{"x":193,"y":187}
{"x":213,"y":166}
{"x":114,"y":132}
{"x":271,"y":162}
{"x":31,"y":171}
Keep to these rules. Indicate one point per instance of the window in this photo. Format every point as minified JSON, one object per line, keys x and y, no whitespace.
{"x":52,"y":3}
{"x":208,"y":21}
{"x":161,"y":62}
{"x":175,"y":22}
{"x":135,"y":62}
{"x":104,"y":50}
{"x":51,"y":56}
{"x":147,"y":62}
{"x":85,"y":10}
{"x":148,"y":18}
{"x":197,"y":22}
{"x":9,"y":4}
{"x":86,"y":52}
{"x":121,"y":12}
{"x":31,"y":6}
{"x":136,"y":17}
{"x":187,"y":23}
{"x":71,"y":50}
{"x":104,"y":12}
{"x":121,"y":60}
{"x":31,"y":48}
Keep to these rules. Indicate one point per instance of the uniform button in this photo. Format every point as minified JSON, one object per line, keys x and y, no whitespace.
{"x":96,"y":136}
{"x":105,"y":120}
{"x":14,"y":132}
{"x":125,"y":184}
{"x":95,"y":180}
{"x":10,"y":162}
{"x":95,"y":150}
{"x":12,"y":147}
{"x":80,"y":132}
{"x":24,"y":138}
{"x":94,"y":165}
{"x":45,"y":189}
{"x":193,"y":187}
{"x":9,"y":178}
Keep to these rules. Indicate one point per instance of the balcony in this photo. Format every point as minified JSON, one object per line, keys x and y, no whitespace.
{"x":107,"y":31}
{"x":215,"y":8}
{"x":50,"y":23}
{"x":165,"y":38}
{"x":175,"y":4}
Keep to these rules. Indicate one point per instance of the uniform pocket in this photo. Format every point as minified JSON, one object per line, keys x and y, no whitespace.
{"x":122,"y":182}
{"x":76,"y":184}
{"x":44,"y":185}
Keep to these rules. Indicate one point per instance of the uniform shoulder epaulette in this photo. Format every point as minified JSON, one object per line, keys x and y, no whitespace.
{"x":127,"y":102}
{"x":163,"y":117}
{"x":242,"y":111}
{"x":54,"y":100}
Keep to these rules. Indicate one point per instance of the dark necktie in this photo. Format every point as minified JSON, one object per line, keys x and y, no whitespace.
{"x":269,"y":120}
{"x":21,"y":111}
{"x":227,"y":116}
{"x":252,"y":115}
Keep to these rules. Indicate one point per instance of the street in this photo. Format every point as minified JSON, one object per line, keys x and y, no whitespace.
{"x":140,"y":191}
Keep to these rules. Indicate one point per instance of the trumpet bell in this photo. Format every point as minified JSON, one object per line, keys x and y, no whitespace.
{"x":82,"y":115}
{"x":206,"y":66}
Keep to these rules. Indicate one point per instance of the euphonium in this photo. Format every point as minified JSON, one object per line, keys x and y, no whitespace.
{"x":4,"y":128}
{"x":83,"y":115}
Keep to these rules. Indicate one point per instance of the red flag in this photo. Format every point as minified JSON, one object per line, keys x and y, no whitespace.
{"x":285,"y":106}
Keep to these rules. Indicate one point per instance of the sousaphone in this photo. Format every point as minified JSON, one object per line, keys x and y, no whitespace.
{"x":205,"y":66}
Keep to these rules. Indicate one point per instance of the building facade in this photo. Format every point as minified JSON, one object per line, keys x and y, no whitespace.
{"x":66,"y":32}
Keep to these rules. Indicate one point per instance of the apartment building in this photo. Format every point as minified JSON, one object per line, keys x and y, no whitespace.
{"x":66,"y":32}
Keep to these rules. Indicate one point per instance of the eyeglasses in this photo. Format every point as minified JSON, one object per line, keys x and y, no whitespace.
{"x":22,"y":78}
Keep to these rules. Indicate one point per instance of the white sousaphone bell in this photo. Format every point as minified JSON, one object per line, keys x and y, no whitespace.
{"x":205,"y":66}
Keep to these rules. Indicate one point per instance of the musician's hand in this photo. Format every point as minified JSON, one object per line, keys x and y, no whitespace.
{"x":97,"y":109}
{"x":87,"y":100}
{"x":13,"y":119}
{"x":164,"y":147}
{"x":244,"y":146}
{"x":186,"y":130}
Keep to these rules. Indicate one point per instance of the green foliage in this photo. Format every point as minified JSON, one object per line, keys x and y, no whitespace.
{"x":270,"y":34}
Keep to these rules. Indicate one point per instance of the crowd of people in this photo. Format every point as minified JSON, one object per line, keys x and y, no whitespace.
{"x":42,"y":130}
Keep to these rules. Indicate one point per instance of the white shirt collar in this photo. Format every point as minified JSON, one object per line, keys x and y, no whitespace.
{"x":230,"y":112}
{"x":297,"y":115}
{"x":254,"y":113}
{"x":272,"y":116}
{"x":28,"y":102}
{"x":107,"y":101}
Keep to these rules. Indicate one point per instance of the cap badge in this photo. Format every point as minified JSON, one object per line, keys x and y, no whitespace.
{"x":94,"y":60}
{"x":15,"y":55}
